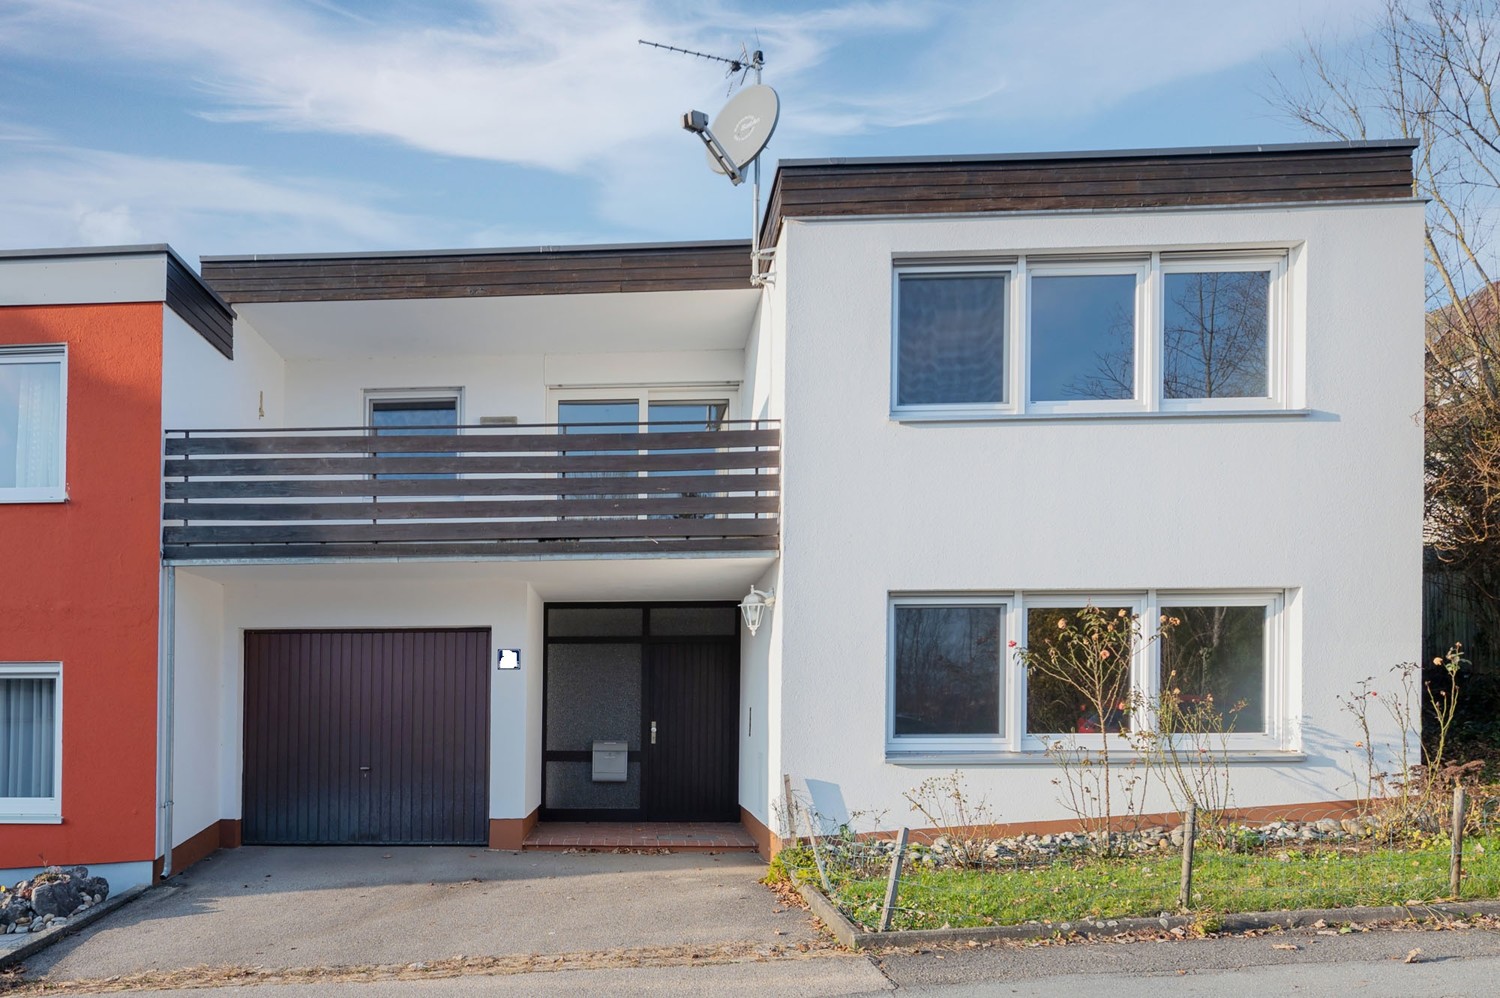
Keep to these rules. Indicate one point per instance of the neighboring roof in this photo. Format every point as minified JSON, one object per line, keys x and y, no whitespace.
{"x":1113,"y":179}
{"x":474,"y":273}
{"x":181,"y":289}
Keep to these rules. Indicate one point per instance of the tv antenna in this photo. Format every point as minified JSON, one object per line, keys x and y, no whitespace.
{"x":738,"y":135}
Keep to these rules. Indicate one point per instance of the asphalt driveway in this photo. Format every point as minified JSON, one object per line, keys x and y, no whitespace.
{"x":344,"y":906}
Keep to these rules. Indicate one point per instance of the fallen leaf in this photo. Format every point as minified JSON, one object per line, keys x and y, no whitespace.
{"x":1285,"y":946}
{"x":1415,"y":956}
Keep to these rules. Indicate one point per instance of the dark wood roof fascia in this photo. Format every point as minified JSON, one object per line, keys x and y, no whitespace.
{"x":197,"y":305}
{"x":483,"y":273}
{"x":1302,"y":173}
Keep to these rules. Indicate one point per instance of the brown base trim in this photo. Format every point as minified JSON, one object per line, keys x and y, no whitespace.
{"x":510,"y":833}
{"x":644,"y":850}
{"x":766,"y":844}
{"x":195,"y":848}
{"x":222,"y":834}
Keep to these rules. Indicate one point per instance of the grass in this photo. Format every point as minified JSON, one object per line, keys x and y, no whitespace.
{"x":1223,"y":882}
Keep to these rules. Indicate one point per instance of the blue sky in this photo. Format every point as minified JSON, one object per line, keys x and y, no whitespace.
{"x":245,"y":126}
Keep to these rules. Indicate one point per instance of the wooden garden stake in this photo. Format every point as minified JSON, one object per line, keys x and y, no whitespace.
{"x":1189,"y":835}
{"x":786,"y":802}
{"x":1456,"y":854}
{"x":812,"y":837}
{"x":894,"y":883}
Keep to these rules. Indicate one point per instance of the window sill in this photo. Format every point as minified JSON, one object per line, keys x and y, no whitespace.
{"x":15,"y":500}
{"x":988,"y":416}
{"x":900,"y":758}
{"x":30,"y":819}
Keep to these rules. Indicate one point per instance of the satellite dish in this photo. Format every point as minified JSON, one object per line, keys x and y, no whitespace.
{"x":745,"y":125}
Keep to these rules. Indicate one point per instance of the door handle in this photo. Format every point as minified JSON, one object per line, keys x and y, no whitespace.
{"x":653,"y":732}
{"x":364,"y":769}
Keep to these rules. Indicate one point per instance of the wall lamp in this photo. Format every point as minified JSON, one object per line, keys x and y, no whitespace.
{"x":754,"y":606}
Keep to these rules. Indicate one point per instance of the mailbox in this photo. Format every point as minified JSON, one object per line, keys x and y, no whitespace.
{"x":611,"y":760}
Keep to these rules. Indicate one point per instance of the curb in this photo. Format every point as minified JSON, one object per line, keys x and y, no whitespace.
{"x":855,"y":937}
{"x":41,"y":940}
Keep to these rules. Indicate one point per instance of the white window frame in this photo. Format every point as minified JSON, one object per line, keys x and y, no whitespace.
{"x":1004,"y":741}
{"x":1009,"y":342}
{"x":1149,"y":268}
{"x":1138,"y":268}
{"x":52,"y":353}
{"x":38,"y":810}
{"x":1136,"y":602}
{"x":1274,"y":674}
{"x":1145,"y":668}
{"x":1277,"y":331}
{"x":374,"y":395}
{"x":643,"y":395}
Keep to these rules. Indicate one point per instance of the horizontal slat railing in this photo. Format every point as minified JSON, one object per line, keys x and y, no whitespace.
{"x":480,"y":492}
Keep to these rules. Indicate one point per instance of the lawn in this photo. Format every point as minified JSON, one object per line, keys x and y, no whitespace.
{"x":1268,"y":879}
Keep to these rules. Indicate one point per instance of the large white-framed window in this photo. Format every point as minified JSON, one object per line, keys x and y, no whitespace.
{"x":952,"y":351}
{"x":1224,"y":331}
{"x":1159,"y":332}
{"x":30,"y":742}
{"x":1085,"y":344}
{"x":956,"y":682}
{"x":33,"y":423}
{"x":948,"y":677}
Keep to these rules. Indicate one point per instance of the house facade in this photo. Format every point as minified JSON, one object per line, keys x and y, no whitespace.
{"x":430,"y":547}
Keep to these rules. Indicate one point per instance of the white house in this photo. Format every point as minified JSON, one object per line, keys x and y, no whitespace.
{"x":407,"y":593}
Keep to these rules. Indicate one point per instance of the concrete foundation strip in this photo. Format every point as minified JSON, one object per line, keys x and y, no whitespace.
{"x":38,"y":941}
{"x":854,"y":937}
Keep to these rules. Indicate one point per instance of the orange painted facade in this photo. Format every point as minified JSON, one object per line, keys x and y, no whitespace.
{"x":79,"y":583}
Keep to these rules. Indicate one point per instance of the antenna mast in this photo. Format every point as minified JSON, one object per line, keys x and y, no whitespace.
{"x":746,"y":123}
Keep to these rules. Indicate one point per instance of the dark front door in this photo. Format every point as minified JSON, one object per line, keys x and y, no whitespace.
{"x":366,"y":736}
{"x":689,"y":724}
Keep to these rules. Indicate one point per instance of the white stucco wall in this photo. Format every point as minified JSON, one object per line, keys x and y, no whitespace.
{"x":524,"y":386}
{"x":197,"y":780}
{"x":203,"y":388}
{"x":1325,"y":505}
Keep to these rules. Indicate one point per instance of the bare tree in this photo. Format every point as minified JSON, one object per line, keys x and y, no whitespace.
{"x":1429,"y":74}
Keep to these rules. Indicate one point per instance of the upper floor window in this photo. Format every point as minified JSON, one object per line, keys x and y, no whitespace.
{"x":404,"y":414}
{"x":1159,"y":332}
{"x":33,"y":392}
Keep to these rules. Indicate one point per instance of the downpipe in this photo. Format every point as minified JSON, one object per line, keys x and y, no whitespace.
{"x":167,"y":682}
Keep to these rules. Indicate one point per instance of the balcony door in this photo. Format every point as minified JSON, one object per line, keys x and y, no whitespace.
{"x":664,"y":411}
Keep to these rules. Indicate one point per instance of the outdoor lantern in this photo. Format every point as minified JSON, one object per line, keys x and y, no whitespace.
{"x":754,"y":607}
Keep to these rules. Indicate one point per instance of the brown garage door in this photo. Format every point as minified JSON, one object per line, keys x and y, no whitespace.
{"x":366,"y":736}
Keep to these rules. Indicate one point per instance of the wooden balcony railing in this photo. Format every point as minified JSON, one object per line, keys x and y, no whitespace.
{"x":477,"y":492}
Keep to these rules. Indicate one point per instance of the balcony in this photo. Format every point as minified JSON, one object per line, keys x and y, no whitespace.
{"x":482,"y":492}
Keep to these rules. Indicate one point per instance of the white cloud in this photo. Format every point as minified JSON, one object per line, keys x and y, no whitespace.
{"x":563,"y":86}
{"x":53,"y":194}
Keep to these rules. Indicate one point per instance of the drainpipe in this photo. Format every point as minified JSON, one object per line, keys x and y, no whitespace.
{"x":167,"y":677}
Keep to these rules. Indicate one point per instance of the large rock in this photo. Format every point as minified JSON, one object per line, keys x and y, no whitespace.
{"x":57,"y":897}
{"x":13,"y":908}
{"x":96,"y":888}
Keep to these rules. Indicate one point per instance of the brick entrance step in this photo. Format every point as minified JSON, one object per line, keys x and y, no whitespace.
{"x":681,"y":835}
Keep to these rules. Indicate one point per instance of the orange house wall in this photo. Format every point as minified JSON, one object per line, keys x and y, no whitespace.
{"x":79,"y":583}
